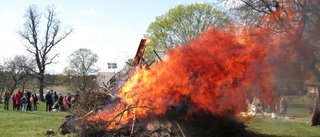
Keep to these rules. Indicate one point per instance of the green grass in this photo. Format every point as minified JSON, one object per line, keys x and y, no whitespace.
{"x":282,"y":128}
{"x":299,"y":126}
{"x":34,"y":124}
{"x":30,"y":123}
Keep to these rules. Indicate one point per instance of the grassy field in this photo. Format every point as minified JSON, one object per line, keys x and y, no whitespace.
{"x":30,"y":123}
{"x":34,"y":124}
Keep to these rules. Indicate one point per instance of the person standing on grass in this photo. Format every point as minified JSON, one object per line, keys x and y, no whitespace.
{"x":31,"y":101}
{"x":311,"y":109}
{"x":53,"y":97}
{"x":60,"y":102}
{"x":24,"y":103}
{"x":283,"y":106}
{"x":69,"y":100}
{"x":35,"y":101}
{"x":19,"y":95}
{"x":65,"y":102}
{"x":28,"y":96}
{"x":6,"y":100}
{"x":13,"y":101}
{"x":49,"y":100}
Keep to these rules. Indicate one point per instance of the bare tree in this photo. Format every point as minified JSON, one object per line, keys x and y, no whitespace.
{"x":14,"y":72}
{"x":40,"y":48}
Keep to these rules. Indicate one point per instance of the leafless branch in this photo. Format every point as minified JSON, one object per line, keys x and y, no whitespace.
{"x":180,"y":129}
{"x":133,"y":122}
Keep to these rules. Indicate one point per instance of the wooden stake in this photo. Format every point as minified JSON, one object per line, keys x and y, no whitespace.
{"x":133,"y":121}
{"x":157,"y":55}
{"x":180,"y":129}
{"x":140,"y":52}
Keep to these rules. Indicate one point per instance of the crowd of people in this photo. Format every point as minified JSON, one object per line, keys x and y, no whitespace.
{"x":58,"y":102}
{"x":21,"y":100}
{"x":24,"y":100}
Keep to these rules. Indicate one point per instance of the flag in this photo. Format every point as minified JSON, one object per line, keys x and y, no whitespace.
{"x":112,"y":65}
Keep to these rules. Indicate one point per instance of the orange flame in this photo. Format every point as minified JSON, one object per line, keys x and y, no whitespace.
{"x":213,"y":72}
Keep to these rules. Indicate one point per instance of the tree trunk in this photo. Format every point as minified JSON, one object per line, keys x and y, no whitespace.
{"x":41,"y":86}
{"x":1,"y":96}
{"x":315,"y":113}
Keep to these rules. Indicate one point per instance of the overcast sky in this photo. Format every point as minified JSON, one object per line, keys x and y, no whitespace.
{"x":110,"y":28}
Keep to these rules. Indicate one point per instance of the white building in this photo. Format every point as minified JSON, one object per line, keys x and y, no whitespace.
{"x":103,"y":78}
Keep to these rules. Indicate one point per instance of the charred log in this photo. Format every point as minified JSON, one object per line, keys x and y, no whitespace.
{"x":140,"y":52}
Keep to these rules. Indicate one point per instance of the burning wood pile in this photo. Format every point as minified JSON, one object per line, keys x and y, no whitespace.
{"x":197,"y":90}
{"x":170,"y":124}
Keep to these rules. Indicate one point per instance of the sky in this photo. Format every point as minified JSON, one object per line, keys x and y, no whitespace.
{"x":110,"y":28}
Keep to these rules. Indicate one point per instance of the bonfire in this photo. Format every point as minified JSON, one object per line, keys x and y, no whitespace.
{"x":198,"y":89}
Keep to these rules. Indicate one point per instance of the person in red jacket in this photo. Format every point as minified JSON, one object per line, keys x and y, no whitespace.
{"x":19,"y":95}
